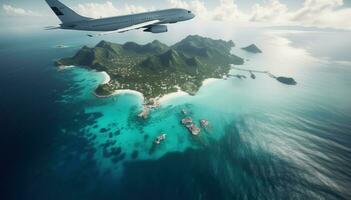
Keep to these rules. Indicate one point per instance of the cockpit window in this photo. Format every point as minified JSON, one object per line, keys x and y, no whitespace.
{"x":189,"y":11}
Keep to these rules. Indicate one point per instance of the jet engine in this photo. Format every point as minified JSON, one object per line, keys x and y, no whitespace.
{"x":157,"y":29}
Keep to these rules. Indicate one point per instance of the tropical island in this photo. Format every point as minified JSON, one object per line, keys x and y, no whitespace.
{"x":286,"y":80}
{"x":252,"y":49}
{"x":155,"y":69}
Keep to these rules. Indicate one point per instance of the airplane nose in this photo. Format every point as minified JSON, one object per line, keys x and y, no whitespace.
{"x":192,"y":16}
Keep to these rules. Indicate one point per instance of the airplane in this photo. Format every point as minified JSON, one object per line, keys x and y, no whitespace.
{"x":153,"y":22}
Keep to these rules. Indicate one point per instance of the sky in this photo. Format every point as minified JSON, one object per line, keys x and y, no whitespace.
{"x":311,"y":13}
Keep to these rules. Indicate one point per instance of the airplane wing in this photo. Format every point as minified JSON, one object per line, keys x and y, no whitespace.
{"x":136,"y":26}
{"x":52,"y":27}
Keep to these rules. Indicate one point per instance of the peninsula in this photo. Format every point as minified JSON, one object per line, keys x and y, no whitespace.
{"x":155,"y":69}
{"x":281,"y":79}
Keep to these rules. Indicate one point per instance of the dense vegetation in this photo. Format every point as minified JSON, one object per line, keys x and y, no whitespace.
{"x":156,"y":69}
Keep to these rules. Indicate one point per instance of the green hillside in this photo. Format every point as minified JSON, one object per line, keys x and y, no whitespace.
{"x":155,"y":69}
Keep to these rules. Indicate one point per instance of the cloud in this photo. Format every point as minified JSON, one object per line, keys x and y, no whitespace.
{"x":316,"y":13}
{"x":226,"y":11}
{"x":311,"y":8}
{"x":273,"y":11}
{"x":197,"y":6}
{"x":323,"y":13}
{"x":97,"y":10}
{"x":107,"y":9}
{"x":134,"y":9}
{"x":17,"y":12}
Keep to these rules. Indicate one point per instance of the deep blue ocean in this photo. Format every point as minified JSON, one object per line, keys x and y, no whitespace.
{"x":269,"y":140}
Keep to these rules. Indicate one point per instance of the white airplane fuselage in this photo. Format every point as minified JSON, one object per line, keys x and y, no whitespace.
{"x":153,"y":22}
{"x":120,"y":22}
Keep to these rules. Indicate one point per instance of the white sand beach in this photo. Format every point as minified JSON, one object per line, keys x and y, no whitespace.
{"x":161,"y":100}
{"x":132,"y":92}
{"x":209,"y":81}
{"x":122,"y":92}
{"x":61,"y":68}
{"x":170,"y":96}
{"x":107,"y":78}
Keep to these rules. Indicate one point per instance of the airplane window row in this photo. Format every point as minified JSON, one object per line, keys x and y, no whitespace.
{"x":136,"y":18}
{"x":105,"y":24}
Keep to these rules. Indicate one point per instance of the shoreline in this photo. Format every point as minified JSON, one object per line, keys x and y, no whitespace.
{"x":157,"y":100}
{"x":180,"y":93}
{"x":121,"y":92}
{"x":64,"y":67}
{"x":167,"y":97}
{"x":209,"y":81}
{"x":106,"y":77}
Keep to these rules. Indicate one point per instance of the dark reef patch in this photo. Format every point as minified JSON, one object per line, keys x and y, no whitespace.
{"x":135,"y":154}
{"x":227,"y":169}
{"x":103,"y":130}
{"x":117,"y":132}
{"x":116,"y":151}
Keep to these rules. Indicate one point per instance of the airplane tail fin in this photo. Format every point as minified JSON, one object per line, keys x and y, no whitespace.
{"x":64,"y":13}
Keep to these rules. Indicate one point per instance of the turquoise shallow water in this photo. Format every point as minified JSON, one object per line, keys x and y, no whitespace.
{"x":271,"y":117}
{"x":119,"y":122}
{"x":268,"y":140}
